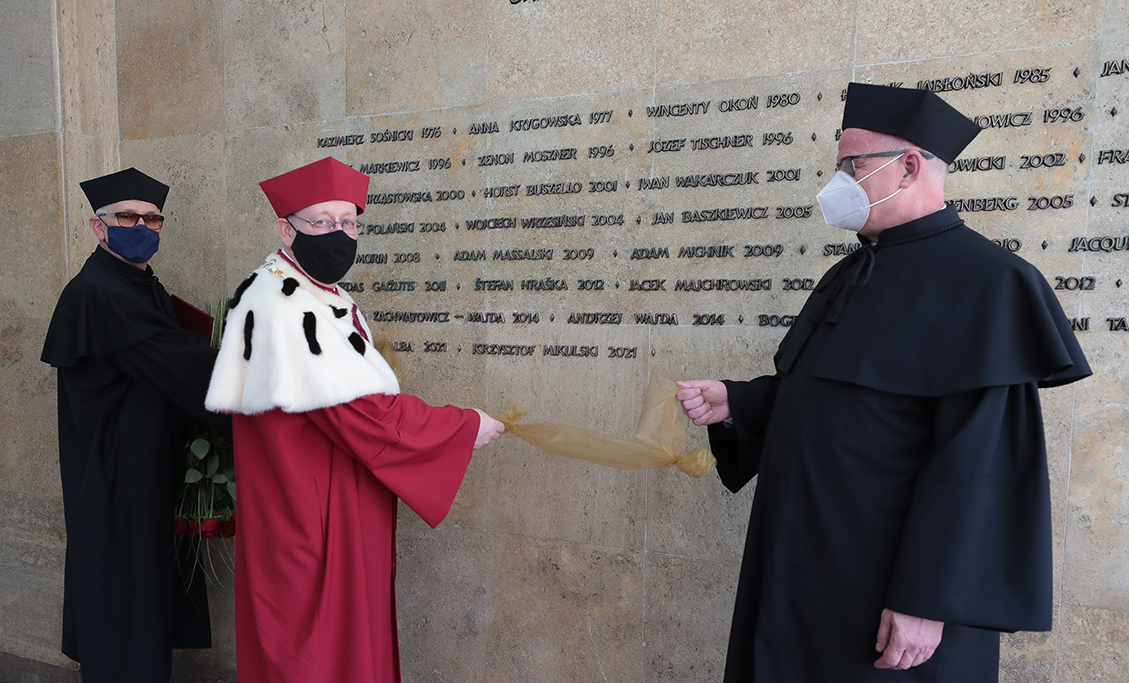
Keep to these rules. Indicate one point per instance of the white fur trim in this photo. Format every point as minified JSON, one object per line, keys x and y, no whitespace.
{"x":282,"y":371}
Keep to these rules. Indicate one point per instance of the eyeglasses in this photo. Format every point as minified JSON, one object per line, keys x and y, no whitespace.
{"x":325,"y":225}
{"x":847,"y":164}
{"x":128,"y":219}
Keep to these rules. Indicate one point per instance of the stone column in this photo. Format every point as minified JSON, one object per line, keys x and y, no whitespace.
{"x":58,"y":125}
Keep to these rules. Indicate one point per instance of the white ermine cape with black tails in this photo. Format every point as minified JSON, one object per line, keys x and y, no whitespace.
{"x":290,"y":344}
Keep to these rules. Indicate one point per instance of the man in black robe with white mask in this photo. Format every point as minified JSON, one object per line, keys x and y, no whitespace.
{"x":901,"y":518}
{"x":127,"y":374}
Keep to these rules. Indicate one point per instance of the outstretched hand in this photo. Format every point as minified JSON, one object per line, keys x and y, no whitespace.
{"x":906,"y":641}
{"x":488,"y":429}
{"x":706,"y":401}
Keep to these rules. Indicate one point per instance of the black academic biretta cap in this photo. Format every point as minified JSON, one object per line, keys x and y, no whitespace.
{"x":127,"y":184}
{"x":919,"y":116}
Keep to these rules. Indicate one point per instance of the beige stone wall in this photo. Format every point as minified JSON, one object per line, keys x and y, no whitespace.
{"x":549,"y":569}
{"x":58,"y":125}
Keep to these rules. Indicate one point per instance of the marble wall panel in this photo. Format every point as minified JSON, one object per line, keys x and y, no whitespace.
{"x":253,"y":155}
{"x":1109,"y":179}
{"x":1028,"y":657}
{"x":582,"y":171}
{"x":718,"y":40}
{"x":410,"y":268}
{"x":443,"y":581}
{"x":85,"y":157}
{"x":696,"y":517}
{"x":546,"y":50}
{"x":170,"y":68}
{"x":32,"y":550}
{"x":563,"y":611}
{"x":192,"y":260}
{"x":544,"y":495}
{"x":283,"y":63}
{"x":1114,"y":26}
{"x":29,"y":459}
{"x":441,"y":369}
{"x":920,"y":30}
{"x":1018,"y":158}
{"x":29,"y":197}
{"x":29,"y":91}
{"x":1096,"y":572}
{"x":415,"y":56}
{"x":752,"y":135}
{"x":700,"y":517}
{"x":88,"y":67}
{"x":547,"y":568}
{"x":1095,"y":644}
{"x":686,"y":624}
{"x":410,"y":233}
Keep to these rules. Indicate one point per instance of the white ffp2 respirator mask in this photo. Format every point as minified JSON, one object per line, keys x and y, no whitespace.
{"x":844,"y":203}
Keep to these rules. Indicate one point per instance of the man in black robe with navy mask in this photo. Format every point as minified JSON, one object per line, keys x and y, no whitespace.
{"x":901,"y":518}
{"x":127,"y":374}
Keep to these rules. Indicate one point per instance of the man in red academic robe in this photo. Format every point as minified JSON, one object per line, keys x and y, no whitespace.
{"x":324,"y":447}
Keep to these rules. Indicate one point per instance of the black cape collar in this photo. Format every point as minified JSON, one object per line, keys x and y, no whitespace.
{"x":949,"y":312}
{"x":918,"y":228}
{"x":108,"y":306}
{"x":122,"y":268}
{"x":145,"y":281}
{"x":854,"y":271}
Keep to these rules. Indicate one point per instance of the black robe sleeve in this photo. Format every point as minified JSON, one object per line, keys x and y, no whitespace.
{"x":175,"y":365}
{"x":737,"y":447}
{"x":975,"y":549}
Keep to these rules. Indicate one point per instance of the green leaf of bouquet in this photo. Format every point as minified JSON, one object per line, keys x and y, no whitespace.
{"x":231,"y":489}
{"x":200,"y":448}
{"x":220,"y":478}
{"x":213,"y":465}
{"x":192,"y":476}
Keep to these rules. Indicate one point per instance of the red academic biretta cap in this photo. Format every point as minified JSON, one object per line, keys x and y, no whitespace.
{"x":321,"y":181}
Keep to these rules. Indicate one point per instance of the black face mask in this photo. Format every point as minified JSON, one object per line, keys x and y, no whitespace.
{"x":326,"y":258}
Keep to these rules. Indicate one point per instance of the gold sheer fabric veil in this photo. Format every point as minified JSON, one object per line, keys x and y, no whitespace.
{"x":660,"y":437}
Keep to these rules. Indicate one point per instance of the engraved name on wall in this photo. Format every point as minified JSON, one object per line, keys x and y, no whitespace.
{"x":692,"y":207}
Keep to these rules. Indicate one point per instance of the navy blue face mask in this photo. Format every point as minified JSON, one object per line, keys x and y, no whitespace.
{"x":136,"y":244}
{"x":326,"y":258}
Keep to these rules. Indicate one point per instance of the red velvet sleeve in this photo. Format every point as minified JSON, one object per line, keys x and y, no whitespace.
{"x":420,"y":452}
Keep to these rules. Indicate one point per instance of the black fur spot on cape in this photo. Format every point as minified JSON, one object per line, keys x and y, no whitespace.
{"x":340,"y":312}
{"x":289,"y":285}
{"x":357,"y":342}
{"x":248,"y":328}
{"x":234,"y":301}
{"x":310,"y":325}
